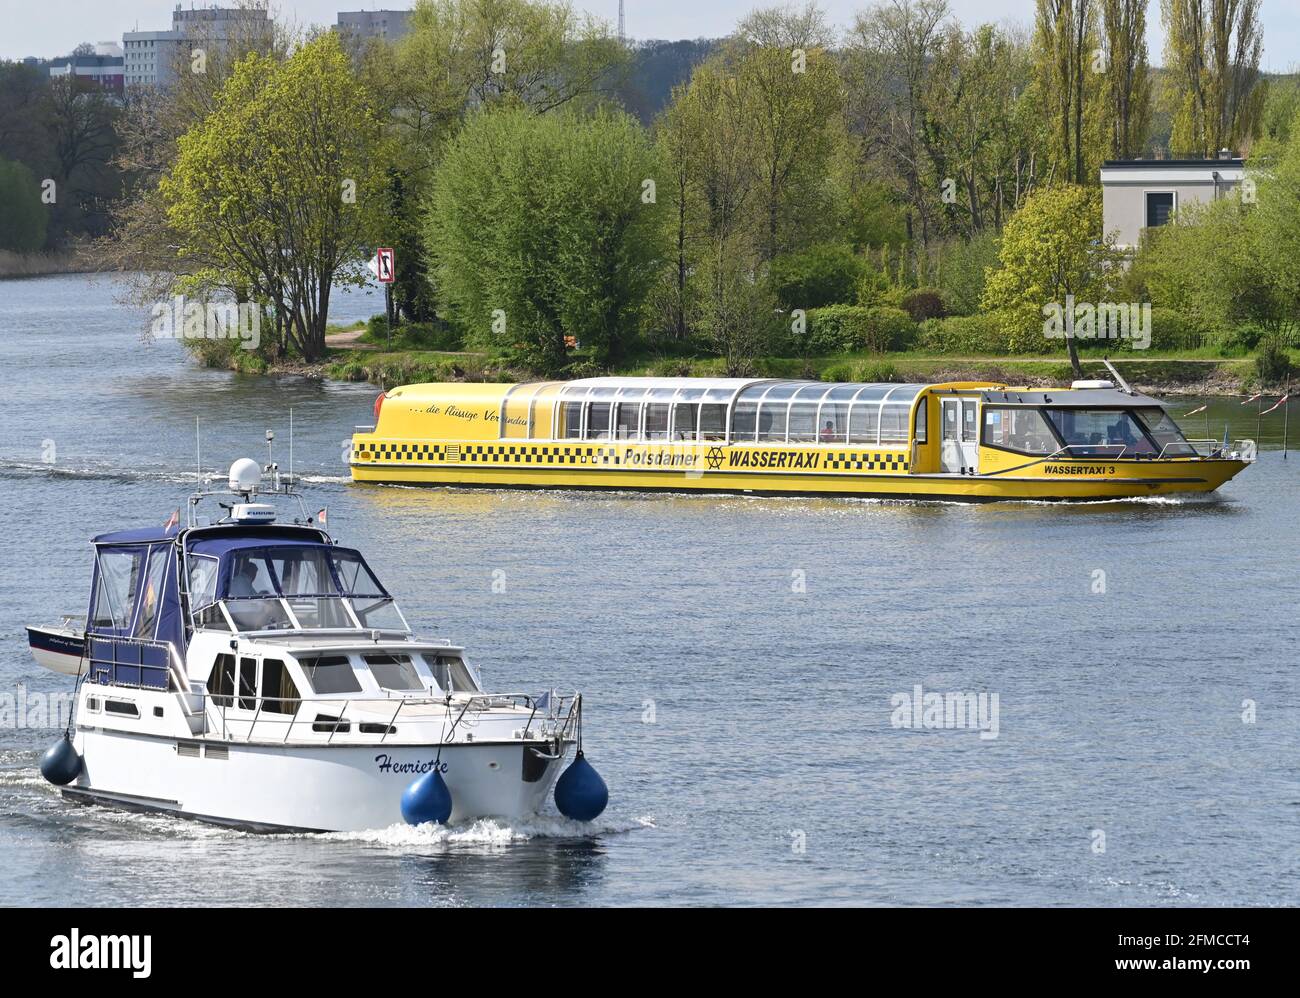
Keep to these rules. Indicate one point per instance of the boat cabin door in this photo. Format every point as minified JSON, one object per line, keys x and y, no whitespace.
{"x":959,"y":442}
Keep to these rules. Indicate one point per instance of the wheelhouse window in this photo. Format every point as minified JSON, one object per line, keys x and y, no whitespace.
{"x":451,"y":674}
{"x":1168,"y":437}
{"x":394,"y":672}
{"x":221,"y":681}
{"x":922,"y":419}
{"x":330,"y":674}
{"x":203,"y":581}
{"x":1100,"y":432}
{"x":279,"y":693}
{"x":1024,"y":431}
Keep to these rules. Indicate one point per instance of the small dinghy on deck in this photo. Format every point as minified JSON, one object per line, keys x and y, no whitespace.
{"x":60,"y":647}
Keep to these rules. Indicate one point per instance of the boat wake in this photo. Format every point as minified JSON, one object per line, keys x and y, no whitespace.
{"x":488,"y":832}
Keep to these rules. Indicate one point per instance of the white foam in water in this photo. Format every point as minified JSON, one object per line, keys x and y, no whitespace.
{"x":488,"y":832}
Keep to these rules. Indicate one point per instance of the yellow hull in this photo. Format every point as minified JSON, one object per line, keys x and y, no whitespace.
{"x":758,"y":470}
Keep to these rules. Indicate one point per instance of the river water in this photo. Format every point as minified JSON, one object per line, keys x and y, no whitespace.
{"x":738,"y":657}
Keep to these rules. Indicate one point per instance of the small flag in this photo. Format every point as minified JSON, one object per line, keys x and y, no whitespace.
{"x":1252,"y":398}
{"x":173,"y":520}
{"x":543,"y":702}
{"x":1280,"y":402}
{"x":321,"y":518}
{"x":1195,"y":411}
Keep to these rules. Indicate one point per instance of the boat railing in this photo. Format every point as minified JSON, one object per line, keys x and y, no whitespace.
{"x":1243,"y":450}
{"x":331,"y":715}
{"x":1068,"y":450}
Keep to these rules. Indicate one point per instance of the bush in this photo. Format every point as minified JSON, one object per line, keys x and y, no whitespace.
{"x":924,"y":303}
{"x":825,"y":274}
{"x":845,"y":328}
{"x":1172,"y":330}
{"x":1272,"y":363}
{"x":863,"y":372}
{"x":966,"y":334}
{"x":960,"y":270}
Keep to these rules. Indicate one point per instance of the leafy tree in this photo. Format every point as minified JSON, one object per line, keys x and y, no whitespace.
{"x":1128,"y":77}
{"x":891,"y":53}
{"x":539,"y":228}
{"x":793,"y":98}
{"x":1065,"y":39}
{"x":1052,"y":248}
{"x":460,"y":57}
{"x":1213,"y":48}
{"x":824,"y":274}
{"x":23,"y":220}
{"x":274,"y":192}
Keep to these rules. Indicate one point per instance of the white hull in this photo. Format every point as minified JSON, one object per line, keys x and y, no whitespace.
{"x":327,"y":788}
{"x":59,"y":649}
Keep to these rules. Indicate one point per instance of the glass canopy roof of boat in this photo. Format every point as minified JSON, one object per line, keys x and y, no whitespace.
{"x":727,"y":390}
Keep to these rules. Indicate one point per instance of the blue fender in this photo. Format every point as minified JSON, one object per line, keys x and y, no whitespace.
{"x":580,"y":793}
{"x":427,"y":799}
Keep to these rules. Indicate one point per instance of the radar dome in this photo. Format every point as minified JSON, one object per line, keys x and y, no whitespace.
{"x":245,"y":475}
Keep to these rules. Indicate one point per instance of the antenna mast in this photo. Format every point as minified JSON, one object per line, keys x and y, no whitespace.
{"x":622,"y":35}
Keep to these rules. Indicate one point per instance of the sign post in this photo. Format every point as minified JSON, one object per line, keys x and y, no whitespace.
{"x":383,"y":266}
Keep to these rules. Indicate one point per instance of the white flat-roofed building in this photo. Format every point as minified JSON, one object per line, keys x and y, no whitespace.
{"x":153,"y":57}
{"x":362,"y":25}
{"x":1140,"y":194}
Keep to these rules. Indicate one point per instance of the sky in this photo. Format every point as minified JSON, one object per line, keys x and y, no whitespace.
{"x":53,"y":27}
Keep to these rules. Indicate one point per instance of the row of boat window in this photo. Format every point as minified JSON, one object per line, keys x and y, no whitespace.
{"x":266,"y":685}
{"x":774,"y":421}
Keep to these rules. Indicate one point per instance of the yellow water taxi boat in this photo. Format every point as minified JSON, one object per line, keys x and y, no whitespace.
{"x":968,"y":441}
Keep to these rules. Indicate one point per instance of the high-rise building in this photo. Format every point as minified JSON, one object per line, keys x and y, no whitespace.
{"x":362,"y":25}
{"x":152,"y":57}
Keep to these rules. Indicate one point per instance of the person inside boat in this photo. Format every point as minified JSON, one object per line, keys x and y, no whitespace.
{"x":258,"y":613}
{"x":828,"y":432}
{"x":245,"y":582}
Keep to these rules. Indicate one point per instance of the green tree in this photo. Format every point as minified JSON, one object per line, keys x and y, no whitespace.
{"x":1213,"y":48}
{"x":23,"y":220}
{"x":541,"y":227}
{"x":1066,"y":43}
{"x":273,"y":194}
{"x":1052,"y":248}
{"x":461,"y":57}
{"x":794,"y":101}
{"x":1128,"y":77}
